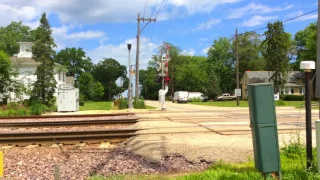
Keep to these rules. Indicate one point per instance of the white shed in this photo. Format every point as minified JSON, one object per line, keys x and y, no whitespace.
{"x":68,"y":99}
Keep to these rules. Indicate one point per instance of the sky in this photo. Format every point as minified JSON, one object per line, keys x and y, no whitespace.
{"x":103,"y":28}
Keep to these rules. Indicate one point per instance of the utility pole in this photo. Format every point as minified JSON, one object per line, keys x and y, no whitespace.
{"x":317,"y":94}
{"x":138,"y":49}
{"x":162,"y":62}
{"x":172,"y":88}
{"x":237,"y":64}
{"x":129,"y":85}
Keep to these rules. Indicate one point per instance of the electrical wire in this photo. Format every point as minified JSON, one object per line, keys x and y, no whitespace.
{"x":285,"y":21}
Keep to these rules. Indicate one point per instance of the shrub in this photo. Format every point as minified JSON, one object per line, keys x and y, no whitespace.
{"x":291,"y":97}
{"x":120,"y":104}
{"x":37,"y":108}
{"x":139,"y":104}
{"x":280,"y":103}
{"x":195,"y":99}
{"x":123,"y":104}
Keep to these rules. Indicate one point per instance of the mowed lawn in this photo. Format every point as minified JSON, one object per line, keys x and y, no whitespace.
{"x":93,"y":105}
{"x":101,"y":105}
{"x":245,"y":103}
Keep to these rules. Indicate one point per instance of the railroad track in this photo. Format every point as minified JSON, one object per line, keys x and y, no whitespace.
{"x":124,"y":121}
{"x":65,"y":116}
{"x":23,"y":138}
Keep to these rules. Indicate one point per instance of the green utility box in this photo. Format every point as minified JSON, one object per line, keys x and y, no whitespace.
{"x":264,"y":127}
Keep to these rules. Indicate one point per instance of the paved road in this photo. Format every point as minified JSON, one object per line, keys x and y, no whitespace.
{"x":207,"y":133}
{"x":227,"y":120}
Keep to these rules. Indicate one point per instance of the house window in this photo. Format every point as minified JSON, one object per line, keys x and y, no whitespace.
{"x":286,"y":90}
{"x":59,"y":75}
{"x":292,"y":90}
{"x":301,"y":90}
{"x":64,"y":77}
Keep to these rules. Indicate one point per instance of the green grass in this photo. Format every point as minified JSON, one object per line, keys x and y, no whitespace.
{"x":243,"y":103}
{"x":292,"y":168}
{"x":99,"y":105}
{"x":92,"y":105}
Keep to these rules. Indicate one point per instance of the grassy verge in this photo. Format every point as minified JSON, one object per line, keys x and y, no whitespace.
{"x":292,"y":168}
{"x":91,"y":105}
{"x":150,"y":107}
{"x":296,"y":104}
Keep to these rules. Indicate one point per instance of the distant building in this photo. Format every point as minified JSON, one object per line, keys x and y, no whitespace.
{"x":27,"y":66}
{"x":294,"y":84}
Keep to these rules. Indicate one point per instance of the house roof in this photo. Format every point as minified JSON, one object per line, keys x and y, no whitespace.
{"x":23,"y":60}
{"x":30,"y":61}
{"x":264,"y":76}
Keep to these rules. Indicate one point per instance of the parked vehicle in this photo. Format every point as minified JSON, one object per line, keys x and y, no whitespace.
{"x":180,"y":96}
{"x":185,"y":96}
{"x":200,"y":95}
{"x":226,"y":97}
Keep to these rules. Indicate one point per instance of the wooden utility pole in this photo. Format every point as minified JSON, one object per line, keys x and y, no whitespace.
{"x":138,"y":49}
{"x":237,"y":64}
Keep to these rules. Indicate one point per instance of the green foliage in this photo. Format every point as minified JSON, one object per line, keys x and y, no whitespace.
{"x":280,"y":103}
{"x":120,"y":104}
{"x":220,"y":66}
{"x":75,"y":60}
{"x":37,"y":108}
{"x":277,"y":44}
{"x":7,"y":82}
{"x":139,"y":104}
{"x":12,"y":34}
{"x":292,"y":97}
{"x":43,"y":52}
{"x":81,"y":97}
{"x":306,"y":45}
{"x":123,"y":104}
{"x":14,"y":109}
{"x":107,"y":72}
{"x":195,"y":99}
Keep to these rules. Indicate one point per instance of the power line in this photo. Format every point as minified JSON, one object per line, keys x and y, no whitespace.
{"x":285,"y":20}
{"x":149,"y":39}
{"x":145,"y":7}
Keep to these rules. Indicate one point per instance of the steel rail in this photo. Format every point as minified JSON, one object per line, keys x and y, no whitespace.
{"x":65,"y":116}
{"x":68,"y":123}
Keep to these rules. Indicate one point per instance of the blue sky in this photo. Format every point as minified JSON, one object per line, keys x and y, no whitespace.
{"x":104,"y":27}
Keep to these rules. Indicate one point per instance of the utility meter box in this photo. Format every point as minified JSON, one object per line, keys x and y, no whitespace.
{"x":68,"y":99}
{"x":264,"y":127}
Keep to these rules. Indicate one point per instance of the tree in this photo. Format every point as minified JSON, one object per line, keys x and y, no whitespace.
{"x":306,"y":45}
{"x":89,"y":88}
{"x":7,"y":77}
{"x":12,"y":34}
{"x":277,"y":45}
{"x":107,"y":72}
{"x":42,"y":51}
{"x":249,"y":52}
{"x":221,"y":65}
{"x":75,"y":60}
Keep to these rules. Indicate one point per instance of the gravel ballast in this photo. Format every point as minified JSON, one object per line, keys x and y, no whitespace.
{"x":38,"y":163}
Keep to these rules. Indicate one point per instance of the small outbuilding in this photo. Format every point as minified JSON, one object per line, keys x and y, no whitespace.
{"x":68,"y":99}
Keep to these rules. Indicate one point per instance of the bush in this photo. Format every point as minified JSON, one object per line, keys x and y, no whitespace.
{"x":139,"y":104}
{"x":37,"y":108}
{"x":291,"y":97}
{"x":195,"y":99}
{"x":124,"y":104}
{"x":120,"y":104}
{"x":280,"y":103}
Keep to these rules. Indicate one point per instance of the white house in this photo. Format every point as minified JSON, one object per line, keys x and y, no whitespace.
{"x":27,"y":67}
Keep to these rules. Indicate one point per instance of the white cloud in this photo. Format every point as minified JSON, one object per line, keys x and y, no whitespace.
{"x":254,"y":8}
{"x":205,"y":50}
{"x":258,"y":20}
{"x":62,"y":34}
{"x":207,"y":25}
{"x":120,"y":52}
{"x":100,"y":11}
{"x":189,"y":52}
{"x":302,"y":18}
